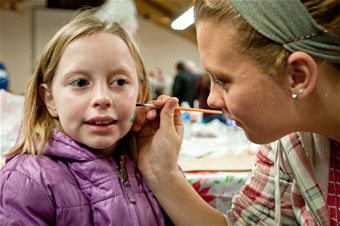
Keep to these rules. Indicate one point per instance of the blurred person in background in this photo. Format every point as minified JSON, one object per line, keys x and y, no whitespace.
{"x":201,"y":93}
{"x":184,"y":84}
{"x":160,"y":83}
{"x":157,"y":82}
{"x":192,"y":67}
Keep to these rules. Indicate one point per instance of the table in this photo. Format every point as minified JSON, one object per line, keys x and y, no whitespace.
{"x":217,"y":188}
{"x":218,"y":180}
{"x":218,"y":164}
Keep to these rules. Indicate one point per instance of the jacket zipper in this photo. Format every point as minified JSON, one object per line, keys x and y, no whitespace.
{"x":126,"y":187}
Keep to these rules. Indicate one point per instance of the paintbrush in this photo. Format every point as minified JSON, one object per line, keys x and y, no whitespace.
{"x":208,"y":111}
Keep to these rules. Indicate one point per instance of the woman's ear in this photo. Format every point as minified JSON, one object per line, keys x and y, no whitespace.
{"x":47,"y":97}
{"x":303,"y":74}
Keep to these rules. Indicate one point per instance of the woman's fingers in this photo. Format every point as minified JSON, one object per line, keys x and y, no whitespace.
{"x":140,"y":119}
{"x":153,"y":113}
{"x":144,"y":114}
{"x":178,"y":123}
{"x":171,"y":118}
{"x":168,"y":112}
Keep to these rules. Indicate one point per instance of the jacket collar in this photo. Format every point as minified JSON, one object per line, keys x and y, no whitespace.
{"x":64,"y":147}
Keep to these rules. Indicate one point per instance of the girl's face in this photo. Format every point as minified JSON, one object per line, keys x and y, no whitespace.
{"x":94,"y":91}
{"x":255,"y":100}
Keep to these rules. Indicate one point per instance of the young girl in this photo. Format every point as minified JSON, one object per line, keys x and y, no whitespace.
{"x":74,"y":162}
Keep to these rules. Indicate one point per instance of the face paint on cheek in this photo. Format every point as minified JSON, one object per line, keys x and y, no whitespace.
{"x":133,"y":116}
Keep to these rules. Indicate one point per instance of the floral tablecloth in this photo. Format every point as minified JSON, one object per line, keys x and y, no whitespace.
{"x":217,"y":188}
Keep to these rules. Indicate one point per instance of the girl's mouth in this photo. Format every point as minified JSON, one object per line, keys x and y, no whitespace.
{"x":101,"y":122}
{"x":101,"y":126}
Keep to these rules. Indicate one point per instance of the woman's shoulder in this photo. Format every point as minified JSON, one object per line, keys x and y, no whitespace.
{"x":311,"y":144}
{"x":300,"y":143}
{"x":297,"y":140}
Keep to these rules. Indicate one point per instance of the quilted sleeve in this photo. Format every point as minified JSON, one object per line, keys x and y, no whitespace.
{"x":23,"y":201}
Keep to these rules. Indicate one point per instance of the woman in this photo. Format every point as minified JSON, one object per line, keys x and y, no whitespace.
{"x":275,"y":68}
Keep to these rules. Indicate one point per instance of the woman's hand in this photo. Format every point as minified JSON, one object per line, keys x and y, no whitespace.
{"x":159,"y":137}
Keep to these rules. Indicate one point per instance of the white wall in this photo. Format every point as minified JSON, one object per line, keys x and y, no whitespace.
{"x":163,"y":48}
{"x":23,"y":36}
{"x":46,"y":23}
{"x":16,"y":47}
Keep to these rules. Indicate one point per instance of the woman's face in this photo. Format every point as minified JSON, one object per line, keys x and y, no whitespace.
{"x":253,"y":99}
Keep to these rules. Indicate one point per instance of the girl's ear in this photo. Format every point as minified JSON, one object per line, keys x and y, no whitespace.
{"x":47,"y":97}
{"x":303,"y":74}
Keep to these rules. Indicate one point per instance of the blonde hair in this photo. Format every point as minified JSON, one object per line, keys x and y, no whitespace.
{"x":37,"y":122}
{"x":270,"y":55}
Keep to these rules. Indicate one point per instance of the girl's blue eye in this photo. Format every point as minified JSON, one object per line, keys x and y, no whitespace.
{"x":80,"y":83}
{"x":120,"y":82}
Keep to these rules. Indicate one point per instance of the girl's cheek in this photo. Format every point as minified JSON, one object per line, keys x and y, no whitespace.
{"x":127,"y":111}
{"x":133,"y":116}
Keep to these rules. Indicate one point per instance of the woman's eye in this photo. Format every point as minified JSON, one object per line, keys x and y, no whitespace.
{"x":80,"y":83}
{"x":219,"y":82}
{"x":120,"y":82}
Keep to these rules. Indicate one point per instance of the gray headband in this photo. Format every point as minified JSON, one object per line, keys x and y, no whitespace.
{"x":288,"y":22}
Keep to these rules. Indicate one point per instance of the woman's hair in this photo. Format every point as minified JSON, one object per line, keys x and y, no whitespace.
{"x":270,"y":55}
{"x":37,"y":122}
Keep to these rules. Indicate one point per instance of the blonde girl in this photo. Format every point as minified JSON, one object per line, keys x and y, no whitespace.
{"x":74,"y":163}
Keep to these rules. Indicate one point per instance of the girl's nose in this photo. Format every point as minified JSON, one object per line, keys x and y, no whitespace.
{"x":103,"y":102}
{"x":102,"y":98}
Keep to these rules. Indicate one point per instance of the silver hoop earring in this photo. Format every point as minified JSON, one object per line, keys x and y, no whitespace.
{"x":296,"y":95}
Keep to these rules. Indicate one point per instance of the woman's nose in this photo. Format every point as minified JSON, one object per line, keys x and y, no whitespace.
{"x":215,"y":99}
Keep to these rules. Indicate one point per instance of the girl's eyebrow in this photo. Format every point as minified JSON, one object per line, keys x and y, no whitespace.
{"x":82,"y":71}
{"x":76,"y":72}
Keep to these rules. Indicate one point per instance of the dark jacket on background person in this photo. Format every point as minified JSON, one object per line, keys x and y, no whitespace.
{"x":201,"y":93}
{"x":184,"y":84}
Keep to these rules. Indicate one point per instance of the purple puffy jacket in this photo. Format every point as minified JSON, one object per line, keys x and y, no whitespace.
{"x":69,"y":185}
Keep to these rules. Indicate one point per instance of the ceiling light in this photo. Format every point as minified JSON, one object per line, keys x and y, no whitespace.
{"x":184,"y":21}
